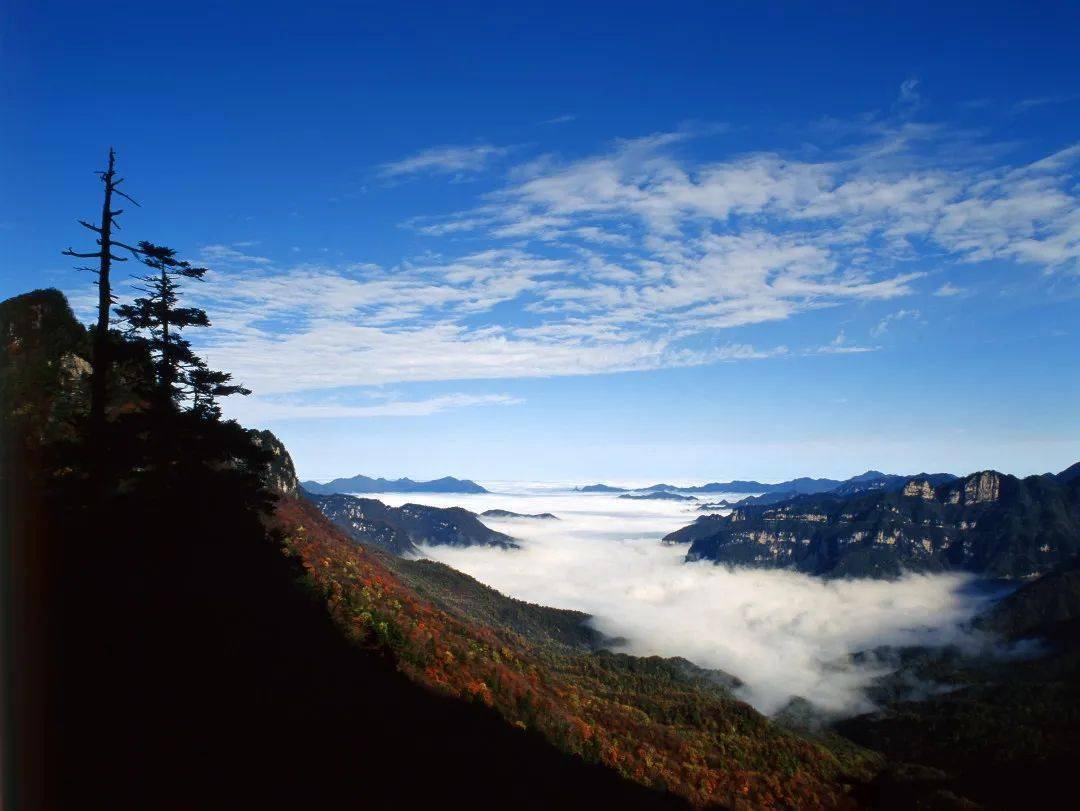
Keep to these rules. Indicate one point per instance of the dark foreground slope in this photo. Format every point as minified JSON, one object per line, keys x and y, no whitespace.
{"x":160,"y":650}
{"x":195,"y":671}
{"x":188,"y":639}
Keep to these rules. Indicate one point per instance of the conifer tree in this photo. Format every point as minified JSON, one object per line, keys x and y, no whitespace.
{"x":157,"y":313}
{"x":206,"y":385}
{"x":181,"y":374}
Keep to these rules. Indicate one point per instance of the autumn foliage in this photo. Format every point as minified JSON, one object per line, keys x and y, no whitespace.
{"x":706,"y":747}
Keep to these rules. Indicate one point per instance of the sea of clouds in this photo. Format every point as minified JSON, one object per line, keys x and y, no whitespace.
{"x":782,"y":633}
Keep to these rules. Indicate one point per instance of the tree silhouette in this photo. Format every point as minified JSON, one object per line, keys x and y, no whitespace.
{"x":206,"y":385}
{"x":157,"y":313}
{"x":99,"y":380}
{"x":180,"y":373}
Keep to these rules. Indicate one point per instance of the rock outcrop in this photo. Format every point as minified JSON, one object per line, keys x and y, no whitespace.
{"x":280,"y":474}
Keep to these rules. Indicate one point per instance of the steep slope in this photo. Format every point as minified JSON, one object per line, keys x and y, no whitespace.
{"x":988,"y":522}
{"x":402,"y":529}
{"x":365,"y":484}
{"x":168,"y":654}
{"x":469,"y":599}
{"x":653,"y":721}
{"x":226,"y":685}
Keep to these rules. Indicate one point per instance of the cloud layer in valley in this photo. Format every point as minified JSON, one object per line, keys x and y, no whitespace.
{"x":784,"y":634}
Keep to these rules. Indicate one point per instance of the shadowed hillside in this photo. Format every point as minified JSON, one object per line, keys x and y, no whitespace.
{"x":170,"y":653}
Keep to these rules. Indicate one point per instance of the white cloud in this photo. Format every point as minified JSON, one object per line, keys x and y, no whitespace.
{"x":883,"y":325}
{"x":228,"y":256}
{"x":445,"y":160}
{"x":1041,"y":101}
{"x":948,"y":290}
{"x":258,"y":410}
{"x":636,"y":258}
{"x":882,"y":196}
{"x":840,"y":346}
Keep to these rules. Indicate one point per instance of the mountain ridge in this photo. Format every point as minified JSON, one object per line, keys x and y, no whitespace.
{"x":988,"y":523}
{"x":804,"y":485}
{"x":367,"y":484}
{"x":402,"y":530}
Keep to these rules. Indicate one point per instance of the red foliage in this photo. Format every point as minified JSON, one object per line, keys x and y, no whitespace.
{"x":563,"y":701}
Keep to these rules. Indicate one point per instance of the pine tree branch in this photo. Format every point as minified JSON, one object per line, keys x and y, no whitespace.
{"x":126,"y":246}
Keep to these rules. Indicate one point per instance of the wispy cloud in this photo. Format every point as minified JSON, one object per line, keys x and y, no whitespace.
{"x":840,"y":346}
{"x":560,"y":119}
{"x":444,"y":160}
{"x":230,"y":256}
{"x":883,"y":325}
{"x":639,"y":258}
{"x":948,"y":290}
{"x":1042,"y":101}
{"x":259,"y":410}
{"x":909,"y":96}
{"x":885,"y":195}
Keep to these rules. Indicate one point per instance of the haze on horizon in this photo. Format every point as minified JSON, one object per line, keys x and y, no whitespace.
{"x":692,"y":268}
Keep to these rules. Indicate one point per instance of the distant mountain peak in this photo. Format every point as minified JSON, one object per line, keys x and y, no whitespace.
{"x":869,"y":475}
{"x":600,"y":488}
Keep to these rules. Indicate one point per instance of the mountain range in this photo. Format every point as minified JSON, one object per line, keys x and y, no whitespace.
{"x":989,"y":523}
{"x":401,"y":530}
{"x":657,"y":495}
{"x":366,"y":484}
{"x":870,"y":480}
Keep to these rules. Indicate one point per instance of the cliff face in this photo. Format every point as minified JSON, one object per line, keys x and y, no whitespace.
{"x":280,"y":474}
{"x":42,"y":368}
{"x":987,"y":522}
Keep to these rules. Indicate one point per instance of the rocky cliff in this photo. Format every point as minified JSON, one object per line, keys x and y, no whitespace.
{"x":280,"y":474}
{"x":988,"y":522}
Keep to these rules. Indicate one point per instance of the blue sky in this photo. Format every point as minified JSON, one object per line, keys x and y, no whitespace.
{"x":577,"y":243}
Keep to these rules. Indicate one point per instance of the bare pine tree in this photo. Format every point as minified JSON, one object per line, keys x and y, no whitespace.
{"x":99,"y":380}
